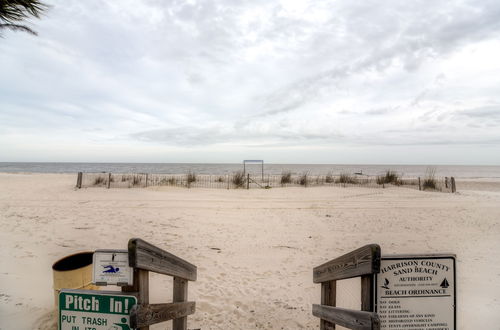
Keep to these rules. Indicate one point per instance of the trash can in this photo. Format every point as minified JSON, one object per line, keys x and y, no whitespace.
{"x":73,"y":272}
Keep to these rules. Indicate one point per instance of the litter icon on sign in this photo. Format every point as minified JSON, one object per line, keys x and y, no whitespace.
{"x":111,"y":269}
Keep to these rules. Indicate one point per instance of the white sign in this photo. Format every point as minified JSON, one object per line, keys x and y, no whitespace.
{"x":417,"y":292}
{"x":94,"y":310}
{"x":111,"y":268}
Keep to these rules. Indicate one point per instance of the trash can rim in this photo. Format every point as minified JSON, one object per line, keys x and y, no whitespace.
{"x":73,"y":261}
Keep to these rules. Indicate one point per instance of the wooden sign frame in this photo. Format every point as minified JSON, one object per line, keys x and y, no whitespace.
{"x":145,"y":257}
{"x":363,"y":262}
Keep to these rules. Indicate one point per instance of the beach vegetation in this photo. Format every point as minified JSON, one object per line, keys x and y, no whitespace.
{"x":380,"y":179}
{"x":191,"y":177}
{"x":286,"y":177}
{"x":389,"y":177}
{"x":392,"y":177}
{"x":238,"y":179}
{"x":99,"y":181}
{"x":136,"y":180}
{"x":430,"y":179}
{"x":303,"y":179}
{"x":347,"y":178}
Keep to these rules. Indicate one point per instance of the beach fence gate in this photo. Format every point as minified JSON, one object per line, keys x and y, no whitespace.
{"x":363,"y":262}
{"x":145,"y":257}
{"x":254,"y":161}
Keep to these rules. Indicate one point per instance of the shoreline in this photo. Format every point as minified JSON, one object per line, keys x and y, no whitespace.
{"x":457,"y":171}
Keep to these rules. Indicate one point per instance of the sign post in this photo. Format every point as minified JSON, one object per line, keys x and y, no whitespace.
{"x":94,"y":310}
{"x":417,"y":292}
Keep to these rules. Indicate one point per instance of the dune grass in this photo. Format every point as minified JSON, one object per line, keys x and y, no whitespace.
{"x":390,"y":177}
{"x":238,"y":179}
{"x":190,"y":177}
{"x":347,"y":178}
{"x":286,"y":177}
{"x":430,"y":181}
{"x":99,"y":180}
{"x":303,"y":180}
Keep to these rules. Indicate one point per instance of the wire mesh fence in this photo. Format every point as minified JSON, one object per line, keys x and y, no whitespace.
{"x":240,"y":180}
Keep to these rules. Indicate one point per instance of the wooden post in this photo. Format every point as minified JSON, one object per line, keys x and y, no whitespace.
{"x":453,"y":185}
{"x":328,"y":298}
{"x":143,"y":282}
{"x":140,"y":287}
{"x":446,"y":182}
{"x":109,"y":179}
{"x":180,"y":295}
{"x":248,"y":181}
{"x":419,"y":184}
{"x":228,"y":181}
{"x":367,"y":293}
{"x":134,"y":288}
{"x":79,"y":180}
{"x":146,"y":180}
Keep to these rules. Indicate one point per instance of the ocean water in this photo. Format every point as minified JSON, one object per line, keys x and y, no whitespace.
{"x":458,"y":171}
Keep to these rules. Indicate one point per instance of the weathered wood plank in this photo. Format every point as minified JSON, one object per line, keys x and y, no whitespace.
{"x":363,"y":261}
{"x":144,"y":255}
{"x":328,"y":298}
{"x":180,"y":295}
{"x":146,"y":315}
{"x":356,"y":320}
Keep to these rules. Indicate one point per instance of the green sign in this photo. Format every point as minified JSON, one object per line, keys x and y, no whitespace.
{"x":94,"y":310}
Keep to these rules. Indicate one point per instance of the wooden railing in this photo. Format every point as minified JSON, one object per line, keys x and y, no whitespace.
{"x":364,"y":262}
{"x":145,"y":257}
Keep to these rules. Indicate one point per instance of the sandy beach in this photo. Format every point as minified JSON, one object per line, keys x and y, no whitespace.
{"x":255,"y":249}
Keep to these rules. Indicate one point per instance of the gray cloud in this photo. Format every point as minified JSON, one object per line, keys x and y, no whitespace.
{"x":258,"y":73}
{"x":491,"y":112}
{"x":206,"y":136}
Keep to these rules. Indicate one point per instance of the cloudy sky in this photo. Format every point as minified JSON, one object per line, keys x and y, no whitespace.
{"x":401,"y":82}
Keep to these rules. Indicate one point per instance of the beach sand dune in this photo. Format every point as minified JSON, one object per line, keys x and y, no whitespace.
{"x":255,"y":249}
